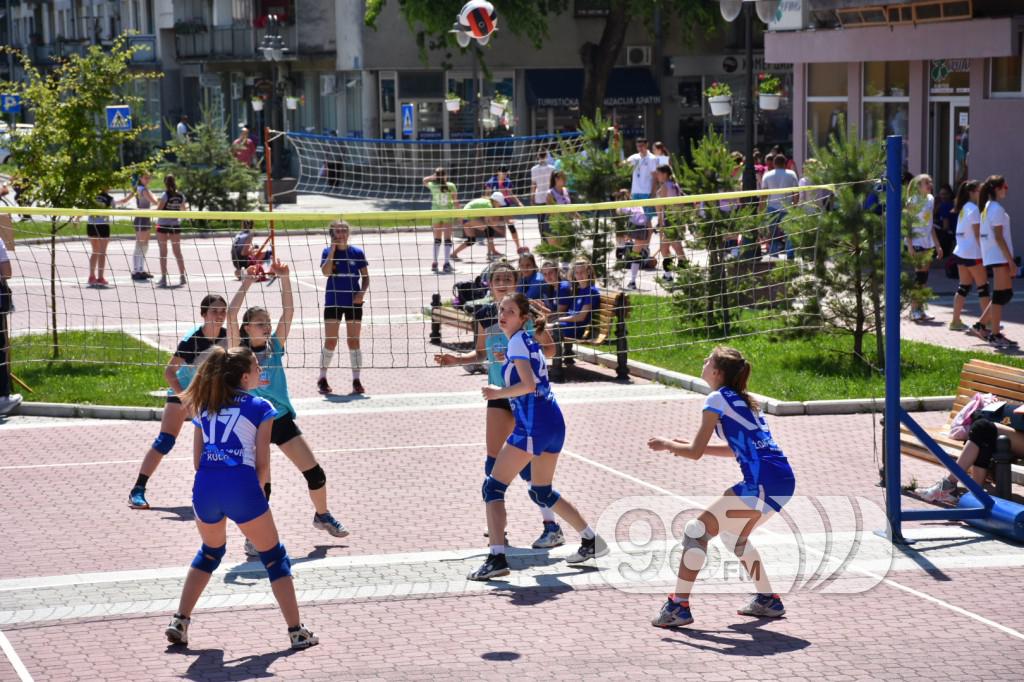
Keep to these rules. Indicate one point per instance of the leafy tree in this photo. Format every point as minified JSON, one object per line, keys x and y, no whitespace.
{"x":70,"y":156}
{"x":431,"y":20}
{"x":207,"y":171}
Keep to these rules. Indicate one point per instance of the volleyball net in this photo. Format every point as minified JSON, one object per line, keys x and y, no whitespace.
{"x":666,"y":274}
{"x":359,"y":168}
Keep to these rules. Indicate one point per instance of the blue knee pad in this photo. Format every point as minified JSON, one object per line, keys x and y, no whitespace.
{"x":277,"y":563}
{"x":494,"y":489}
{"x":164,"y":443}
{"x":526,"y":474}
{"x":208,"y":558}
{"x":489,"y":465}
{"x":544,"y":495}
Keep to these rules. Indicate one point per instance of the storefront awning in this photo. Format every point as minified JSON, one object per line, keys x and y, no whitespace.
{"x":563,"y":87}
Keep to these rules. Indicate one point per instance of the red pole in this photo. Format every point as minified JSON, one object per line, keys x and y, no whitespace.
{"x":268,"y":158}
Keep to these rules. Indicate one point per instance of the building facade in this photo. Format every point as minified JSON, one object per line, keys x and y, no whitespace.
{"x":945,"y":74}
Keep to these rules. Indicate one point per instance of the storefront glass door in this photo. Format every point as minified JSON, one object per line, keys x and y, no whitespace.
{"x":949,"y":146}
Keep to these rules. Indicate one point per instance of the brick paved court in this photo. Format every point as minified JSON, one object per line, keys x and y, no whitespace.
{"x":88,"y":584}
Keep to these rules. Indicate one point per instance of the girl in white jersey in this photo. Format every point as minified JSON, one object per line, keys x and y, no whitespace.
{"x":967,"y":254}
{"x":996,"y":253}
{"x":923,"y":243}
{"x":768,"y":484}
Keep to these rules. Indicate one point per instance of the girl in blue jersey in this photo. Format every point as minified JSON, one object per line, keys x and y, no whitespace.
{"x":491,"y":344}
{"x":584,"y":300}
{"x":178,"y":373}
{"x":231,"y":456}
{"x":348,"y":280}
{"x":767,"y":485}
{"x":536,"y":441}
{"x":255,"y":333}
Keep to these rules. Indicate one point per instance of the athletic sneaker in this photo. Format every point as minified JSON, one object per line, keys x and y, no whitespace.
{"x":631,"y":286}
{"x":672,"y":615}
{"x":330,"y":524}
{"x":667,"y":276}
{"x":957,"y":326}
{"x":916,"y":316}
{"x":979,"y":330}
{"x":323,"y":387}
{"x":940,"y":492}
{"x":177,"y":630}
{"x":302,"y":637}
{"x":551,"y":537}
{"x":447,"y":269}
{"x":999,"y":338}
{"x":92,"y":280}
{"x":593,"y":548}
{"x":102,"y":281}
{"x":925,"y":317}
{"x":763,"y":606}
{"x":495,"y":567}
{"x":139,"y":277}
{"x":183,"y":280}
{"x":250,"y":550}
{"x":137,"y":498}
{"x":357,"y":387}
{"x":163,"y":282}
{"x":433,"y":266}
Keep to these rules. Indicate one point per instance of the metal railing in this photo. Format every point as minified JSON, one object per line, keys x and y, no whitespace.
{"x":230,"y":42}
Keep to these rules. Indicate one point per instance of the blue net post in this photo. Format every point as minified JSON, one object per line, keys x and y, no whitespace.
{"x":893,"y":260}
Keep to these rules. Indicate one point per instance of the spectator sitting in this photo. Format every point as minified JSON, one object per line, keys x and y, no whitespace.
{"x":555,"y":292}
{"x":531,"y":282}
{"x":584,"y":299}
{"x":975,"y":458}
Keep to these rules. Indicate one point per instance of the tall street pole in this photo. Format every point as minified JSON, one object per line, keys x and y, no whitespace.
{"x":749,"y":177}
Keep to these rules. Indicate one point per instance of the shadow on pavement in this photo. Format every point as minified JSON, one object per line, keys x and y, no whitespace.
{"x":753,"y":640}
{"x":180,"y":513}
{"x":210,"y":664}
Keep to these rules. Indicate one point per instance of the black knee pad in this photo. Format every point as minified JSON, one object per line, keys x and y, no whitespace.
{"x":315,"y":477}
{"x":448,"y":241}
{"x":984,"y":291}
{"x":963,"y":290}
{"x":921,"y":278}
{"x":437,"y":241}
{"x":1002,"y":296}
{"x":470,"y":240}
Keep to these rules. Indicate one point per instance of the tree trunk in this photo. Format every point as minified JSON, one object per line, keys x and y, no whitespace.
{"x":55,"y":341}
{"x":599,"y":59}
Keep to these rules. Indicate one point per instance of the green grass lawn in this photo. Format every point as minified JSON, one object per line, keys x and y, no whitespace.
{"x":96,"y":368}
{"x":809,"y":366}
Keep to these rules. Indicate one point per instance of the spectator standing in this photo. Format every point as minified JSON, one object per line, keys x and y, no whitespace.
{"x":8,"y":400}
{"x":183,"y":129}
{"x":244,"y":148}
{"x":540,"y":179}
{"x":776,"y":205}
{"x":644,"y":165}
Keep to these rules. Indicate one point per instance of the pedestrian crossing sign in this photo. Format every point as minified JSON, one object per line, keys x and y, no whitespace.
{"x":407,"y":111}
{"x":119,"y":118}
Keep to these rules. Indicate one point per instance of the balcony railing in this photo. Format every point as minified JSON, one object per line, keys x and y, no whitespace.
{"x":230,"y":42}
{"x":43,"y":55}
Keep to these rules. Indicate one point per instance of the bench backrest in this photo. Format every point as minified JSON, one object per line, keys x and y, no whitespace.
{"x":605,"y":315}
{"x":979,"y":376}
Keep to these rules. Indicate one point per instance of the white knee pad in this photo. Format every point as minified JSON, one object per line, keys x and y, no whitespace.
{"x":695,"y":538}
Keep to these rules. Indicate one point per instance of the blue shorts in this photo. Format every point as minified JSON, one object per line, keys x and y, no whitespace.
{"x":771,"y":492}
{"x":546,"y":436}
{"x":574,"y":330}
{"x":234,"y":493}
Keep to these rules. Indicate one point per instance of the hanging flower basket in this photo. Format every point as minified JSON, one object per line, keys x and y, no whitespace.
{"x":498,"y":105}
{"x":769,"y":91}
{"x":768,"y":102}
{"x":291,"y":102}
{"x":453,"y":104}
{"x":257,"y":104}
{"x":721,"y":105}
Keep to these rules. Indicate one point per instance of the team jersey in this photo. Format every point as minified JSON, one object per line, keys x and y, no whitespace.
{"x":173,"y":201}
{"x":966,"y":245}
{"x":536,"y":410}
{"x":555,"y":295}
{"x":588,"y":295}
{"x":191,"y":349}
{"x":273,"y":382}
{"x":103,"y":200}
{"x":532,"y":286}
{"x":229,"y":435}
{"x":344,"y":283}
{"x":748,"y":436}
{"x":142,"y":202}
{"x":441,"y":200}
{"x":482,"y":202}
{"x":994,"y":214}
{"x":495,"y":341}
{"x":921,"y":233}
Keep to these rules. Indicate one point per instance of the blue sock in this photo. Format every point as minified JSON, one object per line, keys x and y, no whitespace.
{"x":489,"y":465}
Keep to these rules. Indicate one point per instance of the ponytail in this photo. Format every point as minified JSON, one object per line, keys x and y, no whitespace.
{"x":988,"y":189}
{"x":736,"y":373}
{"x":217,"y":380}
{"x":170,"y":184}
{"x":963,"y":194}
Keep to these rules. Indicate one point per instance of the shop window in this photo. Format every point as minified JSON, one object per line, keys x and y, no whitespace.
{"x":886,"y":79}
{"x":388,"y":120}
{"x":823,"y":121}
{"x":886,"y":100}
{"x":826,"y":80}
{"x":949,"y":76}
{"x":885,"y":118}
{"x":421,"y":85}
{"x":1006,"y":76}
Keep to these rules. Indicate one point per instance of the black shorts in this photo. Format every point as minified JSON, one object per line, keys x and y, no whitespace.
{"x":98,"y":230}
{"x":352,"y":313}
{"x":168,"y":229}
{"x":284,"y":430}
{"x":500,"y":403}
{"x":984,"y":434}
{"x":922,"y":249}
{"x":142,"y":224}
{"x":966,"y":262}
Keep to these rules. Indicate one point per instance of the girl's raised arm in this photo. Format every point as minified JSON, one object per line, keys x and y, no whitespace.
{"x":234,"y":332}
{"x":284,"y":324}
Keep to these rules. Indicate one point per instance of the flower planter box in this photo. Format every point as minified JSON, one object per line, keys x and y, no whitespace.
{"x":720,"y":105}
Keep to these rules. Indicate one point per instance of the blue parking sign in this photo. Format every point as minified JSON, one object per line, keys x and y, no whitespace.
{"x":407,"y":114}
{"x":10,"y":104}
{"x":119,"y":118}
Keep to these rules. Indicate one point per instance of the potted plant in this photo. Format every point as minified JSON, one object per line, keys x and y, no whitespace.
{"x":291,"y":102}
{"x":452,"y":102}
{"x":769,"y":91}
{"x":719,"y":97}
{"x":257,"y":104}
{"x":498,"y":104}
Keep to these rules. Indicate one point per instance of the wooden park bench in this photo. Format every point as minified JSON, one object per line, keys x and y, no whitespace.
{"x":614,"y":307}
{"x":977,"y":376}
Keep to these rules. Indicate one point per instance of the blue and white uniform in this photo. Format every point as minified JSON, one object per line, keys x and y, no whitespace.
{"x":540,"y":426}
{"x":531,"y":286}
{"x":588,"y":295}
{"x":226,"y":482}
{"x":191,"y":350}
{"x":552,"y":296}
{"x":767,"y":477}
{"x":344,"y":282}
{"x":495,"y":342}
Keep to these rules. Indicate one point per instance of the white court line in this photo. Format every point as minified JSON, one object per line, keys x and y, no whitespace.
{"x":12,"y":656}
{"x":881,"y":578}
{"x":189,"y":459}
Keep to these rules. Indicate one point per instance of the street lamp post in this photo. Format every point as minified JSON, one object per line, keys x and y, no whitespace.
{"x":731,"y":10}
{"x":273,"y":49}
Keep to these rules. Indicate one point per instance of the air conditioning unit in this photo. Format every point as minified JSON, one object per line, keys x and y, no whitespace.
{"x":638,"y":55}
